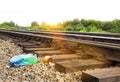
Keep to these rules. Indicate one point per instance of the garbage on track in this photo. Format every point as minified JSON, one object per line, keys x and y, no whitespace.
{"x":23,"y":59}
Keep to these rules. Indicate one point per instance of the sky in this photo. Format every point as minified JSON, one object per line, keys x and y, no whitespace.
{"x":23,"y":12}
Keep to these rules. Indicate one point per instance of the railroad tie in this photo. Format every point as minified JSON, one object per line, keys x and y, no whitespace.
{"x":37,"y":49}
{"x":24,"y":43}
{"x":102,"y":75}
{"x":52,"y":52}
{"x":32,"y":46}
{"x":79,"y":65}
{"x":57,"y":58}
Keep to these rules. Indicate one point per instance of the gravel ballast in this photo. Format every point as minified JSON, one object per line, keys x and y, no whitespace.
{"x":39,"y":72}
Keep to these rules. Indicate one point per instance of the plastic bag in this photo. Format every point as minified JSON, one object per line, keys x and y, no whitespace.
{"x":23,"y":59}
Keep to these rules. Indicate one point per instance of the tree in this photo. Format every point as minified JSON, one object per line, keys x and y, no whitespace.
{"x":34,"y":23}
{"x":107,"y":25}
{"x":75,"y":22}
{"x":67,"y":23}
{"x":9,"y":25}
{"x":91,"y":22}
{"x":115,"y":26}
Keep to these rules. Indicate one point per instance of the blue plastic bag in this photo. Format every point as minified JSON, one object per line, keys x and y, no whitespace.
{"x":23,"y":59}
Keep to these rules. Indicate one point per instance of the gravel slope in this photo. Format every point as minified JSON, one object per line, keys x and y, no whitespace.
{"x":39,"y":72}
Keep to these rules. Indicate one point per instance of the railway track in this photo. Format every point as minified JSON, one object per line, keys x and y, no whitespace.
{"x":73,"y":52}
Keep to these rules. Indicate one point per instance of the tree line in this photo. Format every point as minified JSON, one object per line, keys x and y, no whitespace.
{"x":82,"y":25}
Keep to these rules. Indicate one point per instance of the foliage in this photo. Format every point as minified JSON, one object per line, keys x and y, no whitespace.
{"x":115,"y":28}
{"x":70,"y":25}
{"x":34,"y":23}
{"x":8,"y":25}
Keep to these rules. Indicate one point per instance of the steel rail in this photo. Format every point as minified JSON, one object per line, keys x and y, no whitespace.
{"x":97,"y":43}
{"x":101,"y":38}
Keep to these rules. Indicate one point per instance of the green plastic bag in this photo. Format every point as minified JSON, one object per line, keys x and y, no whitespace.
{"x":31,"y":60}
